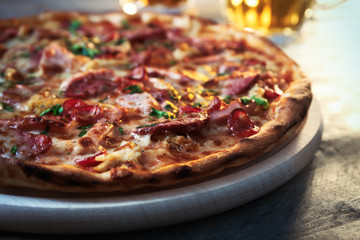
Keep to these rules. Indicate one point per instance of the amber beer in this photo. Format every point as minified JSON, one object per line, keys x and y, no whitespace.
{"x":270,"y":17}
{"x":133,"y":6}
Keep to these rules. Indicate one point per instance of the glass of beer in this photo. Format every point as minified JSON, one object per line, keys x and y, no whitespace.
{"x":278,"y":19}
{"x":171,"y":6}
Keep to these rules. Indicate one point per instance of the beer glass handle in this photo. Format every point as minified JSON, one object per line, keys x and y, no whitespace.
{"x":326,"y":4}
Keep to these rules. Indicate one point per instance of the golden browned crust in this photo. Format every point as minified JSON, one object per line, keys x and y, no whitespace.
{"x":290,"y":116}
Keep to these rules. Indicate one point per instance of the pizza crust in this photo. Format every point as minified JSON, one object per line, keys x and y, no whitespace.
{"x":290,"y":115}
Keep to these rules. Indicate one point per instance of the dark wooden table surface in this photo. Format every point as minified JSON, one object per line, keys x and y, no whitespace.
{"x":323,"y":201}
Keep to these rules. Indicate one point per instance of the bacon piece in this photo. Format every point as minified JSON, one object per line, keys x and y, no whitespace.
{"x":17,"y":94}
{"x":239,"y":124}
{"x":139,"y":73}
{"x":215,"y":105}
{"x":145,"y":33}
{"x":52,"y":34}
{"x":220,"y":116}
{"x":192,"y":122}
{"x":30,"y":145}
{"x":238,"y":85}
{"x":254,"y":61}
{"x":32,"y":124}
{"x":91,"y":84}
{"x":187,"y":109}
{"x":7,"y":34}
{"x":55,"y":59}
{"x":176,"y":35}
{"x":141,"y":57}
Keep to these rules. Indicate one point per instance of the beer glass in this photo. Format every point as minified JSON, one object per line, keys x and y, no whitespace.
{"x":280,"y":20}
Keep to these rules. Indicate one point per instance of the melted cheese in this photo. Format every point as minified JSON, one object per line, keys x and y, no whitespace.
{"x":128,"y":151}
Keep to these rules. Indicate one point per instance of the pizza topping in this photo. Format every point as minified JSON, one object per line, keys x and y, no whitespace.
{"x":90,"y":85}
{"x":191,"y":122}
{"x":238,"y":85}
{"x":127,"y":151}
{"x":133,"y":89}
{"x":220,"y":115}
{"x":89,"y":161}
{"x":56,"y":110}
{"x":7,"y":107}
{"x":8,"y":34}
{"x":32,"y":124}
{"x":30,"y":145}
{"x":239,"y":124}
{"x":55,"y":59}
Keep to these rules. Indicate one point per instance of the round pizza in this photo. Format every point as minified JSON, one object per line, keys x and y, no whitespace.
{"x":112,"y":102}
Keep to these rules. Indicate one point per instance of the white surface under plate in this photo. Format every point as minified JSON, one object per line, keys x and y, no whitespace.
{"x":25,"y":210}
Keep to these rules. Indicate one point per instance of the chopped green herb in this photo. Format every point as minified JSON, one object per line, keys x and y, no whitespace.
{"x":60,"y":93}
{"x":120,"y":41}
{"x":140,"y":48}
{"x":85,"y":127}
{"x":197,"y":105}
{"x":56,"y":110}
{"x":82,"y":133}
{"x":261,"y":101}
{"x":133,"y":89}
{"x":168,"y":107}
{"x":74,"y":25}
{"x":7,"y":107}
{"x":125,"y":24}
{"x":103,"y":100}
{"x":24,"y":54}
{"x":173,"y":94}
{"x":146,"y":125}
{"x":121,"y":131}
{"x":227,"y":99}
{"x":245,"y":100}
{"x":172,"y":62}
{"x":14,"y":149}
{"x":68,"y":153}
{"x":159,"y":114}
{"x":168,"y":45}
{"x":209,"y":92}
{"x":47,"y":128}
{"x":222,"y":74}
{"x":81,"y":49}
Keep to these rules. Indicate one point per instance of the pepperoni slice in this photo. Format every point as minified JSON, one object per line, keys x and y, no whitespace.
{"x":187,"y":109}
{"x":239,"y":124}
{"x":215,"y":105}
{"x":32,"y":145}
{"x":73,"y":103}
{"x":76,"y":109}
{"x":89,"y":161}
{"x":90,"y":85}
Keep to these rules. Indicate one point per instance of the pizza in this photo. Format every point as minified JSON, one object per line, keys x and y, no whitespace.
{"x":112,"y":102}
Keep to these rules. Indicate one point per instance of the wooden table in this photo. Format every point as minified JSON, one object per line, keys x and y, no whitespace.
{"x":323,"y":201}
